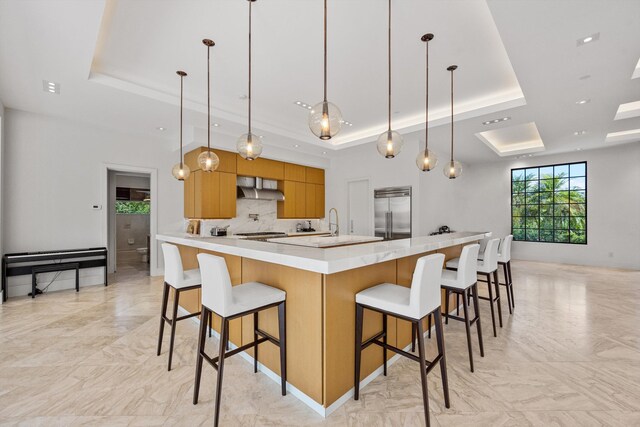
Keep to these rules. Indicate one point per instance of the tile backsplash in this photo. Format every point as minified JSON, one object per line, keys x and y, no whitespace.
{"x":267,"y":219}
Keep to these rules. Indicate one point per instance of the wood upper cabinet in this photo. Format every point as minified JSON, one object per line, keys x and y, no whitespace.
{"x":210,"y":195}
{"x":314,"y":175}
{"x":294,"y":172}
{"x":301,"y":200}
{"x":228,"y":195}
{"x":227,"y":160}
{"x":264,"y":168}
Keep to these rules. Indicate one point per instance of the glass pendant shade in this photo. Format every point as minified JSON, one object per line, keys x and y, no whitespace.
{"x":181,"y":171}
{"x":249,"y":146}
{"x":452,"y":169}
{"x":208,"y":161}
{"x":389,"y":144}
{"x":325,"y":120}
{"x":426,"y":160}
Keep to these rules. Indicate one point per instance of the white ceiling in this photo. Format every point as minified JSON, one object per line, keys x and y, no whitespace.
{"x":116,"y":62}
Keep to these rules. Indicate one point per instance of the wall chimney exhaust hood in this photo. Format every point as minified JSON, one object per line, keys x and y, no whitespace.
{"x":258,"y":189}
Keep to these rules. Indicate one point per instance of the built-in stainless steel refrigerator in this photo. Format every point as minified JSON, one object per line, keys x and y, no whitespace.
{"x":392,"y":208}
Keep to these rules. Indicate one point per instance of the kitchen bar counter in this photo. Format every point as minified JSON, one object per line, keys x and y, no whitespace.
{"x":321,"y":284}
{"x":323,"y":260}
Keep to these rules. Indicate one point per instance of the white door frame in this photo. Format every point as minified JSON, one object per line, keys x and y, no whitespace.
{"x":369,"y":204}
{"x":153,"y":229}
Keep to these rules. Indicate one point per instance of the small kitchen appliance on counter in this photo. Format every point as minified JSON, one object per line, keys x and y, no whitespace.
{"x":219,"y":231}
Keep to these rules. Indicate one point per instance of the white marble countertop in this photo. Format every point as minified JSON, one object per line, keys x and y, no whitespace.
{"x":324,"y":241}
{"x":320,"y":260}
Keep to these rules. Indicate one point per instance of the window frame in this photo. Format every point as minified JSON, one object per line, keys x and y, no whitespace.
{"x":553,"y":203}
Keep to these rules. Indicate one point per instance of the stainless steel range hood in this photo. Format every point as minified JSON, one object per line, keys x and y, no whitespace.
{"x":258,"y":189}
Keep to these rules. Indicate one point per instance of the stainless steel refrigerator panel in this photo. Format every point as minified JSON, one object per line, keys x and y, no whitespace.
{"x":381,"y":208}
{"x":400,"y":208}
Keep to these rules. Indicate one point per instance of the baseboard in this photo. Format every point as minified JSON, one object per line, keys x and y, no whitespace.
{"x":317,"y":407}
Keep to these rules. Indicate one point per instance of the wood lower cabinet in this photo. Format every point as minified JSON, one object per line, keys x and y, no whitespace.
{"x":210,"y":195}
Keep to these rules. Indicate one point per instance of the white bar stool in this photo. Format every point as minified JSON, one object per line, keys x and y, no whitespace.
{"x":487,"y":267}
{"x":180,"y":280}
{"x":504,"y":259}
{"x":411,"y":304}
{"x":464,"y":281}
{"x":231,"y":302}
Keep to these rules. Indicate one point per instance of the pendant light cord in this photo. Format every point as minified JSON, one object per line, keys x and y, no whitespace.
{"x":250,"y":3}
{"x":452,"y":114}
{"x":181,"y":88}
{"x":208,"y":101}
{"x":389,"y":67}
{"x":426,"y":105}
{"x":325,"y":50}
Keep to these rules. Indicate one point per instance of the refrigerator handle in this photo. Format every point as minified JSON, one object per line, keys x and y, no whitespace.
{"x":386,"y":225}
{"x":351,"y":226}
{"x":391,"y":224}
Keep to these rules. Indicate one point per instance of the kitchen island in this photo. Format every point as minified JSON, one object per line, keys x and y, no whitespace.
{"x":321,"y":284}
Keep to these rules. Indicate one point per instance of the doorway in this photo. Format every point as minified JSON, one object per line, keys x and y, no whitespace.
{"x":130,"y":220}
{"x":358,"y":208}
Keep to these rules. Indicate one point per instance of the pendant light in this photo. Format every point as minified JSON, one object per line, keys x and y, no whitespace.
{"x":181,"y":171}
{"x":249,"y":145}
{"x":389,"y":142}
{"x":208,"y":160}
{"x":453,"y":168}
{"x":325,"y":118}
{"x":426,"y":160}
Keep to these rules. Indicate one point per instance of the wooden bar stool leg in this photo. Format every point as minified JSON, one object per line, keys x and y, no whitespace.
{"x":255,"y":342}
{"x":358,"y":358}
{"x":513,"y":301}
{"x":165,"y":299}
{"x":506,"y":282}
{"x":457,"y":304}
{"x":384,"y":340}
{"x":413,"y":337}
{"x":443,"y":360}
{"x":476,"y":308}
{"x":429,"y":325}
{"x":493,"y":316}
{"x":201,"y":343}
{"x":282,"y":324}
{"x":210,"y":323}
{"x":423,"y":372}
{"x":495,"y":277}
{"x":467,"y":326}
{"x":446,"y":306}
{"x":173,"y":326}
{"x":224,"y":336}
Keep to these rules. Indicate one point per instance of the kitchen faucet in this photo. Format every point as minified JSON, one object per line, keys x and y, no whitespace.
{"x":337,"y":230}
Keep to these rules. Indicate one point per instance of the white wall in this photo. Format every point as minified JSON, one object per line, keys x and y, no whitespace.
{"x":2,"y":113}
{"x":53,"y":175}
{"x":432,"y":193}
{"x":613,"y":207}
{"x":480,"y":199}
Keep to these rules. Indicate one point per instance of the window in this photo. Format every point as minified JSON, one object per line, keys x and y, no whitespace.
{"x":132,"y":207}
{"x":549,"y":203}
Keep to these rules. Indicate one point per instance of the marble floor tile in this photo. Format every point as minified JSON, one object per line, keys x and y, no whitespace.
{"x":569,"y":355}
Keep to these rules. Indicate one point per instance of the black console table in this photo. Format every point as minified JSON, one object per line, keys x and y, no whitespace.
{"x":32,"y":263}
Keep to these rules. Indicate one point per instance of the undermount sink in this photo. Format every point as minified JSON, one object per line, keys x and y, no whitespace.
{"x":326,"y":241}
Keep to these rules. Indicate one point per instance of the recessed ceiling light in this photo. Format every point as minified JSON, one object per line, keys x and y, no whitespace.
{"x":588,"y":39}
{"x":490,"y":122}
{"x":580,"y":132}
{"x":215,"y":125}
{"x":583,"y":101}
{"x":161,"y":129}
{"x":297,"y":146}
{"x":324,"y":152}
{"x":578,"y":149}
{"x":50,"y":87}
